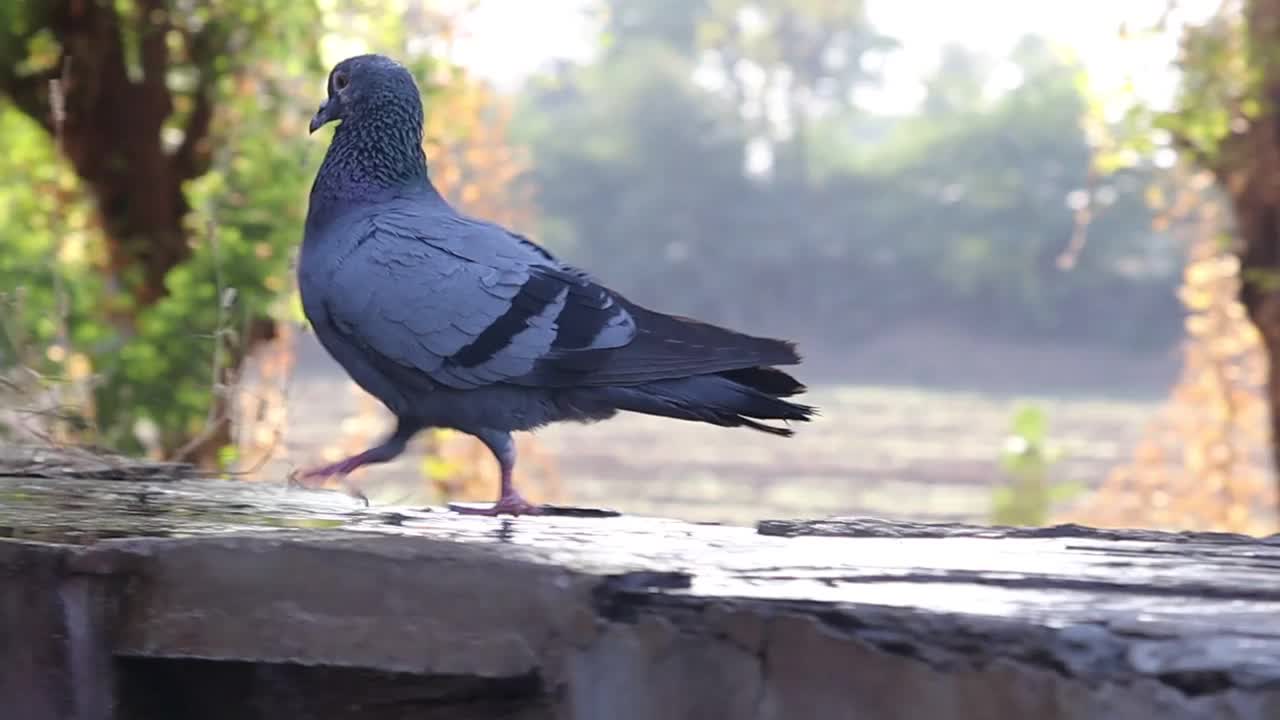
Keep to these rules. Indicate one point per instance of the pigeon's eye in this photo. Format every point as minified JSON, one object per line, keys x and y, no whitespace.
{"x":340,"y":81}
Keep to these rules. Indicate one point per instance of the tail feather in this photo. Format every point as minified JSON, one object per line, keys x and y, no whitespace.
{"x":768,"y":380}
{"x":734,"y":398}
{"x":671,"y":347}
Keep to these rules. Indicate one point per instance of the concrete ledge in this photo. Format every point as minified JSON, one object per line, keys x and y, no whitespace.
{"x":209,"y":599}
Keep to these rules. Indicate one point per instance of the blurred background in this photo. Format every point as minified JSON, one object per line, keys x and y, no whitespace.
{"x":1029,"y":250}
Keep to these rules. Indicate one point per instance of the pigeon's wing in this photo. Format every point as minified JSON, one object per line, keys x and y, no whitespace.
{"x":468,"y":304}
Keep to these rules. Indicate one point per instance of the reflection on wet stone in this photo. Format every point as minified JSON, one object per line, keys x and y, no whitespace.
{"x":211,"y":599}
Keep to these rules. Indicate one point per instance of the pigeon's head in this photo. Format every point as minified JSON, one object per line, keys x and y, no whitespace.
{"x":368,"y":85}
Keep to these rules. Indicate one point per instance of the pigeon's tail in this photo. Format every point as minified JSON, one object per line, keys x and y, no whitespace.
{"x":732,"y":398}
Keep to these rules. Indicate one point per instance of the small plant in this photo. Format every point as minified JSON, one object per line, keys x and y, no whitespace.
{"x":1027,"y":457}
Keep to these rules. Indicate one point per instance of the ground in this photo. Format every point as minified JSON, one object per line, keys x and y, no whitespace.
{"x":895,"y":452}
{"x":890,"y":452}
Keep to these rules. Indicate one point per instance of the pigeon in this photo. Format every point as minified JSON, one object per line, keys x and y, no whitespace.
{"x":455,"y":322}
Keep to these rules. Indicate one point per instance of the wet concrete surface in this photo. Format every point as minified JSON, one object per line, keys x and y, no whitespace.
{"x":118,"y":594}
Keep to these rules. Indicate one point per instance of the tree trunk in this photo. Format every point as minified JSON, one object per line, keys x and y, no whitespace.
{"x":111,"y":134}
{"x":1255,"y":216}
{"x":107,"y":123}
{"x":1248,"y":168}
{"x":107,"y":119}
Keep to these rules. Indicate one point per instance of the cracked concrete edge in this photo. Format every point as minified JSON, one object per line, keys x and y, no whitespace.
{"x":332,"y":594}
{"x":857,"y":526}
{"x":628,"y":645}
{"x":430,"y":608}
{"x":1183,"y":671}
{"x":746,"y":665}
{"x":378,"y":603}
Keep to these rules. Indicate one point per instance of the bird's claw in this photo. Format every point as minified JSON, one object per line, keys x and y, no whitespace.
{"x":511,"y":504}
{"x":303,"y":479}
{"x":314,"y":478}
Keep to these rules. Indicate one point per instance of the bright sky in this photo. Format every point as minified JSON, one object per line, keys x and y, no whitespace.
{"x":506,"y":40}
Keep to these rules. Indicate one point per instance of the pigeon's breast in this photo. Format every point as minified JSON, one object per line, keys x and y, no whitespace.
{"x":319,"y":265}
{"x":313,"y":280}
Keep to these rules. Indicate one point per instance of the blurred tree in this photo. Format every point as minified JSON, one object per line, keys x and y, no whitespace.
{"x":641,"y":196}
{"x":998,"y":175}
{"x":787,"y":63}
{"x":138,"y":99}
{"x":652,"y":198}
{"x":956,"y":86}
{"x":723,"y":165}
{"x":672,"y":23}
{"x":138,"y":87}
{"x":1227,"y":121}
{"x":1202,"y":462}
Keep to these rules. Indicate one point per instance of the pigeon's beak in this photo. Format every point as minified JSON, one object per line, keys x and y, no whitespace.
{"x":325,"y":115}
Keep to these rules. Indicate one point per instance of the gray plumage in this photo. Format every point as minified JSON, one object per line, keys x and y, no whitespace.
{"x":455,"y":322}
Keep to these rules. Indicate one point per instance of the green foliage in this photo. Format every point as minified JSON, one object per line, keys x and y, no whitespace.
{"x":247,"y":222}
{"x":1027,"y":458}
{"x":1219,"y":85}
{"x":1219,"y":93}
{"x":156,"y":362}
{"x":1005,"y":173}
{"x":36,"y":295}
{"x":956,"y":215}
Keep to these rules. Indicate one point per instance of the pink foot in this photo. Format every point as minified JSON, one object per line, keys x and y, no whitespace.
{"x":510,"y":504}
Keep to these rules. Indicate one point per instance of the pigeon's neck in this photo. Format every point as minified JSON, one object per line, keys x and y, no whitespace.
{"x":371,"y":158}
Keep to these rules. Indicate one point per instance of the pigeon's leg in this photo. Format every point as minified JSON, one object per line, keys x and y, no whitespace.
{"x":385,"y":452}
{"x":509,"y":502}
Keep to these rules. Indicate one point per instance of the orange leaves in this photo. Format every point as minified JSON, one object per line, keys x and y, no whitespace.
{"x":1204,"y":463}
{"x":470,"y":158}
